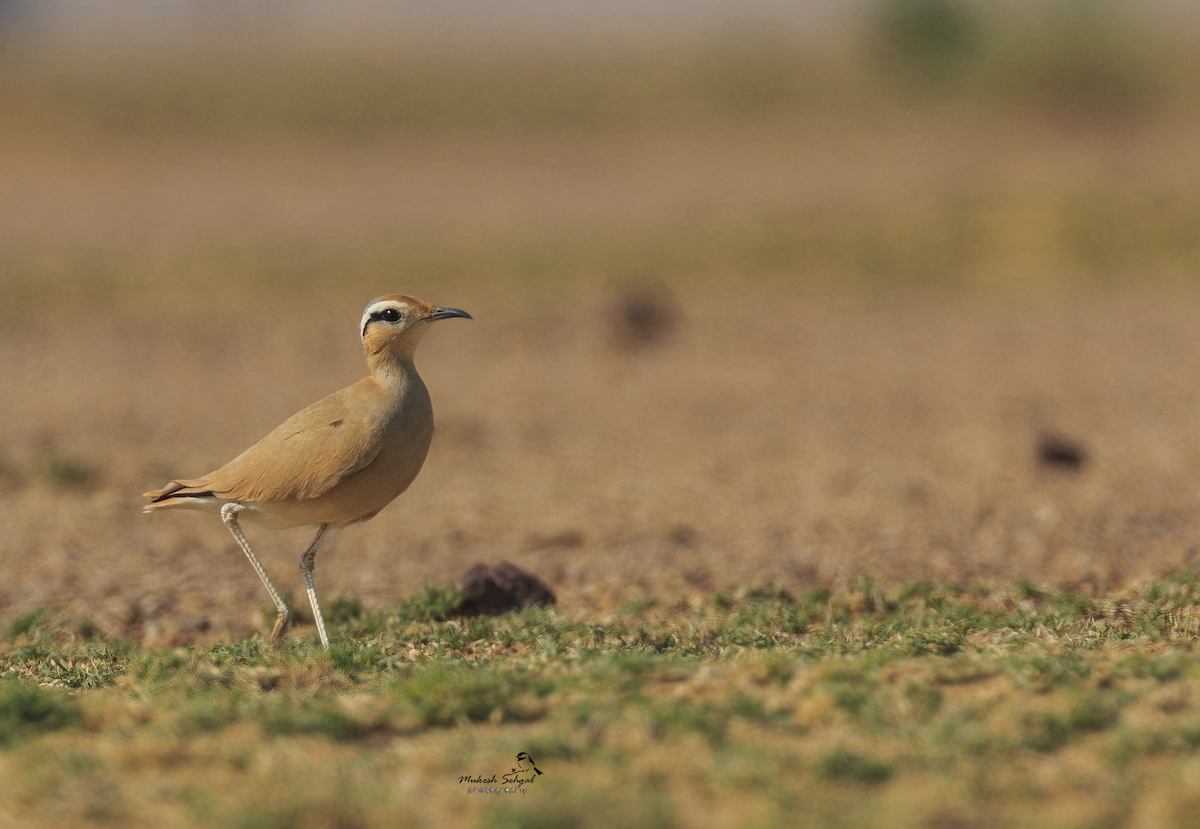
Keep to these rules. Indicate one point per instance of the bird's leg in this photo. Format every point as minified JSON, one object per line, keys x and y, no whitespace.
{"x":306,"y":567}
{"x":229,"y":516}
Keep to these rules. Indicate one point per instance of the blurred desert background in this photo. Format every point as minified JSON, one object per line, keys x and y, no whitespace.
{"x":769,"y":294}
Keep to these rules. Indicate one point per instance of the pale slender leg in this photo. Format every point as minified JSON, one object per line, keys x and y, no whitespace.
{"x":306,"y":567}
{"x":229,"y":516}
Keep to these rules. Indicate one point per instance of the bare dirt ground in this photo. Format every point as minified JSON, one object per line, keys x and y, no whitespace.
{"x":755,"y":312}
{"x":771,"y":439}
{"x":870,"y":326}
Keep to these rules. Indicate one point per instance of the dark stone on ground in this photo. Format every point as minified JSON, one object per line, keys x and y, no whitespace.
{"x":644,"y":315}
{"x":498,"y":588}
{"x":1061,"y":453}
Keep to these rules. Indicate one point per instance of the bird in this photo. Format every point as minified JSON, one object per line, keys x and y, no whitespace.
{"x":525,"y":758}
{"x":336,"y":463}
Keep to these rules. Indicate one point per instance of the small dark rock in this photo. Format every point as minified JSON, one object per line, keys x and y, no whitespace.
{"x":644,"y":315}
{"x":683,"y":535}
{"x":1061,"y":453}
{"x":498,"y":588}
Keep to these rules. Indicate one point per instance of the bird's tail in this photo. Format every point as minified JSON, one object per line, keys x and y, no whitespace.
{"x":183,"y":494}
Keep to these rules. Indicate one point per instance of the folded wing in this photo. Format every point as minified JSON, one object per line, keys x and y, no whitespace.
{"x":305,"y":457}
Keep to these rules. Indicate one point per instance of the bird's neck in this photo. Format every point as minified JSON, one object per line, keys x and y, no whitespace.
{"x":392,"y":371}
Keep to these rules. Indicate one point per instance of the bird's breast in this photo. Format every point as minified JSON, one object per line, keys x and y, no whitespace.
{"x":407,"y":434}
{"x":404,"y":426}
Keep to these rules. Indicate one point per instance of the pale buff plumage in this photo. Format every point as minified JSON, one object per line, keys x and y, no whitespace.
{"x":337,"y":462}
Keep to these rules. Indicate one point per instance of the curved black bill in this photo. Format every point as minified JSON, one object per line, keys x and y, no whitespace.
{"x":447,"y":313}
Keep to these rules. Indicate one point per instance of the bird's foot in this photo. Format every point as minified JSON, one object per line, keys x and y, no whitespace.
{"x":281,"y":626}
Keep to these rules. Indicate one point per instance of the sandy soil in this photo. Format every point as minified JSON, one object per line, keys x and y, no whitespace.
{"x":786,"y":428}
{"x":771,"y":439}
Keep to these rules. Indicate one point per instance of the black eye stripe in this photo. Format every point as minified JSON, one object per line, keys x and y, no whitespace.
{"x":387,"y":315}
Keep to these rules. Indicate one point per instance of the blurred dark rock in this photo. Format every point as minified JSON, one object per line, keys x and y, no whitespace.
{"x":644,"y":315}
{"x":1059,"y":452}
{"x":683,"y":535}
{"x":498,"y":588}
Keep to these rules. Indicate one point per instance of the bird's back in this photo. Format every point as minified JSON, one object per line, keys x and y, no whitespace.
{"x":338,"y":461}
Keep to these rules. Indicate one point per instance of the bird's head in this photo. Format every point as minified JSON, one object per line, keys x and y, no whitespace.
{"x":393,"y":325}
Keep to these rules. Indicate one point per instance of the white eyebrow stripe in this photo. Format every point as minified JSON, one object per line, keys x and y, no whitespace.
{"x":376,"y":307}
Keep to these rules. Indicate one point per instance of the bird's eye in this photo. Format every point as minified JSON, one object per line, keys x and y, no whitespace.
{"x":391,"y":315}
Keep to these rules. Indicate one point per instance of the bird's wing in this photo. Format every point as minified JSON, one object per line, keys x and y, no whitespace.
{"x":308,"y":454}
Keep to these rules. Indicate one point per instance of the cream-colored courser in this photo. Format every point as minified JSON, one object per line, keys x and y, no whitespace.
{"x":338,"y":462}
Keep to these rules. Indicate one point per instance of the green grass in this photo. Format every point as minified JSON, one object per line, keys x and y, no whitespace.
{"x":27,"y":711}
{"x":853,"y":698}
